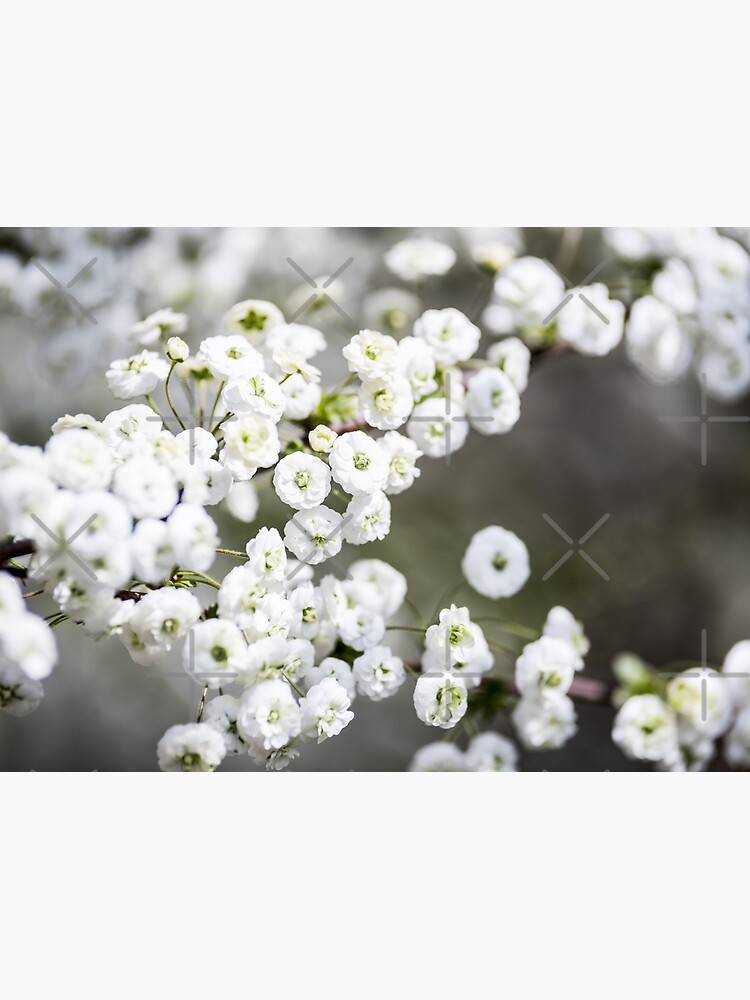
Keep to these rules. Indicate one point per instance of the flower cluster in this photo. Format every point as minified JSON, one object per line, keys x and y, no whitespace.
{"x":674,"y":719}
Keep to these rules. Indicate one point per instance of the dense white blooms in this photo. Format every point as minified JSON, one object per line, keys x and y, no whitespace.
{"x":192,"y":747}
{"x":496,"y":563}
{"x":162,"y":616}
{"x":79,"y":460}
{"x":450,"y":335}
{"x":138,"y":375}
{"x":251,"y":442}
{"x":371,"y":354}
{"x":368,"y":518}
{"x":302,"y":481}
{"x":403,"y":454}
{"x":419,"y":258}
{"x":386,"y":587}
{"x":386,"y":402}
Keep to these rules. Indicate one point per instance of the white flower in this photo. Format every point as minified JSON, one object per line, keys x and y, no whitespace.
{"x":513,"y":357}
{"x":300,"y":397}
{"x":159,"y":324}
{"x":675,"y":286}
{"x":151,"y":550}
{"x":418,"y":364}
{"x":324,"y":710}
{"x":378,"y":673}
{"x":162,"y":616}
{"x":242,"y":502}
{"x":230,"y":357}
{"x":703,"y":700}
{"x":177,"y":349}
{"x":496,"y":563}
{"x":136,"y":376}
{"x":455,"y":640}
{"x":251,"y":442}
{"x":79,"y":460}
{"x":387,"y":585}
{"x":593,"y":331}
{"x":526,"y":292}
{"x":420,"y":257}
{"x":725,"y":369}
{"x":266,"y":555}
{"x":256,"y":393}
{"x":274,"y":760}
{"x":451,"y":335}
{"x":645,"y":728}
{"x":437,"y":427}
{"x":322,"y":439}
{"x":274,"y":657}
{"x":221,"y":714}
{"x":305,"y":341}
{"x":358,"y":463}
{"x":28,"y":643}
{"x":560,"y":624}
{"x":340,"y":670}
{"x":253,"y":318}
{"x":19,"y":695}
{"x":545,"y":724}
{"x":493,"y":402}
{"x":386,"y":402}
{"x":314,"y":535}
{"x":391,"y":309}
{"x":736,"y":744}
{"x":291,"y":363}
{"x":361,"y":628}
{"x":546,"y":665}
{"x":371,"y":354}
{"x":440,"y":701}
{"x":494,"y":256}
{"x":737,"y":661}
{"x":147,"y":487}
{"x":403,"y":454}
{"x":136,"y":422}
{"x":242,"y":590}
{"x":193,"y":536}
{"x":440,"y":756}
{"x":269,"y":714}
{"x":657,"y":341}
{"x":368,"y":518}
{"x":193,"y":747}
{"x":11,"y":602}
{"x":302,"y":481}
{"x":491,"y":752}
{"x":216,"y":653}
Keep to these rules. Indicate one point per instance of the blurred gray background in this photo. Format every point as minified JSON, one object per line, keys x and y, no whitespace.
{"x":590,"y":442}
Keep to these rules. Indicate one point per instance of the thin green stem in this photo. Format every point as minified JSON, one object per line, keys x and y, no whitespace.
{"x":511,"y":627}
{"x":222,"y":421}
{"x":153,"y":405}
{"x":232,"y":552}
{"x":169,"y":398}
{"x":34,"y":593}
{"x":404,"y":628}
{"x":291,"y":683}
{"x":216,"y":403}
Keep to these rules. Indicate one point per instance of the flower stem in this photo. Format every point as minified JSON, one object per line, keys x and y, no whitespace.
{"x":216,"y":403}
{"x":232,"y":552}
{"x":169,"y":398}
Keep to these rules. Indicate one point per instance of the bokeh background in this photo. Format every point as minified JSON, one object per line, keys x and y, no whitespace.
{"x":591,"y":441}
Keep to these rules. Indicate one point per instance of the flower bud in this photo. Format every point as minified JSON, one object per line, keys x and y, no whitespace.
{"x":321,"y":438}
{"x":177,"y":349}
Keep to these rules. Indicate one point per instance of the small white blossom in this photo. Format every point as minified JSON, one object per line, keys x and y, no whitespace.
{"x":331,"y":666}
{"x":491,"y":752}
{"x":79,"y":460}
{"x":438,"y":429}
{"x":369,"y":518}
{"x":493,"y":402}
{"x":136,"y":376}
{"x":386,"y":402}
{"x":418,"y":258}
{"x":302,"y":481}
{"x":440,"y":701}
{"x":162,"y":616}
{"x":253,"y":318}
{"x":513,"y":357}
{"x":269,"y":714}
{"x":322,"y":439}
{"x":560,"y":624}
{"x":251,"y":442}
{"x":324,"y":710}
{"x":193,"y":747}
{"x":645,"y":728}
{"x":230,"y":357}
{"x":703,"y":700}
{"x":656,"y":341}
{"x":358,"y":463}
{"x":158,"y":325}
{"x":451,"y":335}
{"x":378,"y":673}
{"x":177,"y":349}
{"x":496,"y":563}
{"x":242,"y":502}
{"x":221,"y":714}
{"x":216,"y":653}
{"x":256,"y":393}
{"x":546,"y":665}
{"x":314,"y":535}
{"x":19,"y":694}
{"x":545,"y":724}
{"x":418,"y":364}
{"x":371,"y":354}
{"x":439,"y":756}
{"x":28,"y":643}
{"x":388,"y":586}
